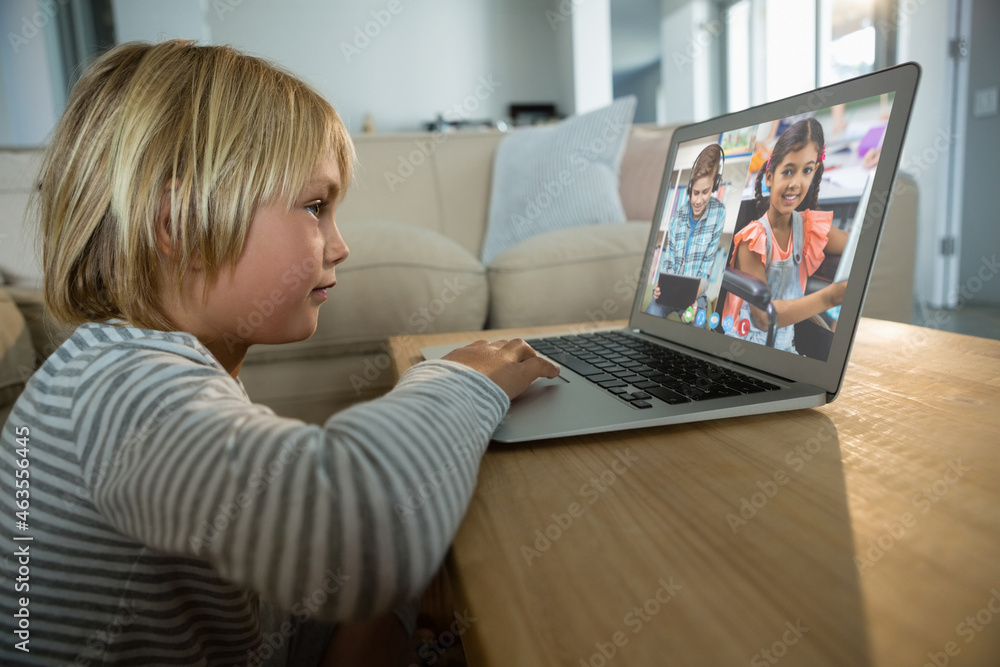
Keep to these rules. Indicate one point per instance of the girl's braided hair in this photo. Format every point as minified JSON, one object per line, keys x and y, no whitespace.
{"x":795,"y":138}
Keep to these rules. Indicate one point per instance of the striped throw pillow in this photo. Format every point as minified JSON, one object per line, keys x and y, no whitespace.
{"x":558,"y":176}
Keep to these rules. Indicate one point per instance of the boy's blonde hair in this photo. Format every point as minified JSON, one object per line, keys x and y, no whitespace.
{"x":209,"y":131}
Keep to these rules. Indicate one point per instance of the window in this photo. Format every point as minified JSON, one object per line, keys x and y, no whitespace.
{"x":778,"y":48}
{"x":847,"y":39}
{"x":737,"y":56}
{"x":48,"y":45}
{"x":789,"y":48}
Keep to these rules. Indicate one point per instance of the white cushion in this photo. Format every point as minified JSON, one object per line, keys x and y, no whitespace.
{"x":586,"y":274}
{"x":642,"y":170}
{"x":557,"y":177}
{"x":17,"y":354}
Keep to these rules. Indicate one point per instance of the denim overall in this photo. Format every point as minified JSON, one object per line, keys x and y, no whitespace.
{"x":784,"y":283}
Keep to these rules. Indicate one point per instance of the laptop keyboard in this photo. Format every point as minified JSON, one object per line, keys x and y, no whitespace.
{"x":637,"y":371}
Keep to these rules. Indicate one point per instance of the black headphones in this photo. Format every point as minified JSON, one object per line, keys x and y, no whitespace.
{"x":718,"y":177}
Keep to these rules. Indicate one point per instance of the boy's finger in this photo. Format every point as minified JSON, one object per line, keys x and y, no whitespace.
{"x":541,"y":367}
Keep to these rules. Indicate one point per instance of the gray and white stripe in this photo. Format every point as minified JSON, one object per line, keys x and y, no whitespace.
{"x":165,"y":505}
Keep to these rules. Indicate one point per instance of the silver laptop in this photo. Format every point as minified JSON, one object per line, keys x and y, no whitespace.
{"x":724,"y":355}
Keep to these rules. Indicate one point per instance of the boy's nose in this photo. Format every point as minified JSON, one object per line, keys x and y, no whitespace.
{"x":336,"y":248}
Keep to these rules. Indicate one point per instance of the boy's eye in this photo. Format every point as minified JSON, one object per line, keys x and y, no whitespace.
{"x":315,"y":208}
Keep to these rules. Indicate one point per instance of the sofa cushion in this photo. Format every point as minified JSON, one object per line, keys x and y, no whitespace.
{"x":17,"y":355}
{"x":569,"y":275}
{"x":46,"y":334}
{"x":399,"y":279}
{"x":642,"y":171}
{"x":463,"y":165}
{"x":436,"y":180}
{"x":19,"y":170}
{"x":394,"y":180}
{"x":557,"y":177}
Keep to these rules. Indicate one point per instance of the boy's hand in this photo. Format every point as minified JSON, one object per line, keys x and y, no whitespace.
{"x":512,"y":364}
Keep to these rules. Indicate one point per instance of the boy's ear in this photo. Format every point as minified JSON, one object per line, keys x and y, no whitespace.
{"x":164,"y":230}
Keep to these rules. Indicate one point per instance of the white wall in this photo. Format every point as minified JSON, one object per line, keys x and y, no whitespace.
{"x":923,"y":37}
{"x":644,"y":83}
{"x":402,"y":61}
{"x":155,"y":20}
{"x":688,"y":57}
{"x":980,"y":238}
{"x":26,"y":27}
{"x":563,"y":30}
{"x":592,"y":76}
{"x":6,"y":128}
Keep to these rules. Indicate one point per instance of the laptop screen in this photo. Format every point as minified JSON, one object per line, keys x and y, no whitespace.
{"x":759,"y":225}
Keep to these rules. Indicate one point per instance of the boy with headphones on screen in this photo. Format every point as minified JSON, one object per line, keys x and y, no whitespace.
{"x":694,"y":230}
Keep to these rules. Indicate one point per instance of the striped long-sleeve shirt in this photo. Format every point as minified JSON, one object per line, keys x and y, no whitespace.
{"x":163,"y":506}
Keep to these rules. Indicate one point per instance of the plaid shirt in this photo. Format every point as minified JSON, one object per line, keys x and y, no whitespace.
{"x":704,"y":241}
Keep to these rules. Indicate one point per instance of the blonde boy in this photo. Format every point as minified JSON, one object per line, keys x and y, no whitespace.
{"x":172,"y":520}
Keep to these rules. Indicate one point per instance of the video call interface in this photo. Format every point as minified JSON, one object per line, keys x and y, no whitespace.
{"x":769,"y":212}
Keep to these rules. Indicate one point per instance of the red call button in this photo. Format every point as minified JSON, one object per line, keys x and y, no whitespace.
{"x":743,"y":327}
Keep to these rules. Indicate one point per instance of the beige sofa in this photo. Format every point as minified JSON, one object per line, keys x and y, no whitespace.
{"x":414,"y":220}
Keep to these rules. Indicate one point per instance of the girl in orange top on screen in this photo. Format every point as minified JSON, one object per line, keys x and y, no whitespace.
{"x":789,"y":241}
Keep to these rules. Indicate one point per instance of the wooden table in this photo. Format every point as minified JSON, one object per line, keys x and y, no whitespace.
{"x":866,"y":532}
